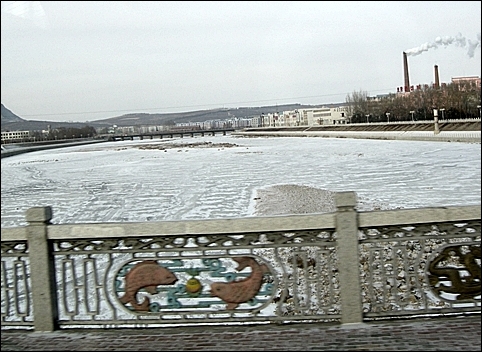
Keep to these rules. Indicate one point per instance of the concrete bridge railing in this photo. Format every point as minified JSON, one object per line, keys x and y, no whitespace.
{"x":444,"y":136}
{"x":344,"y":267}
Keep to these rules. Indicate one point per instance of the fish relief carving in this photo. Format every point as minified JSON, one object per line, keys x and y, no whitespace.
{"x":464,"y":278}
{"x":241,"y":291}
{"x":147,"y":275}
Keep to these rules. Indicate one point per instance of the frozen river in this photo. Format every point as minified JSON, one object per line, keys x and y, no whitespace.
{"x":146,"y":180}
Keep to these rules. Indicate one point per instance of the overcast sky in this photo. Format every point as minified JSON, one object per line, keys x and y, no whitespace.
{"x":91,"y":60}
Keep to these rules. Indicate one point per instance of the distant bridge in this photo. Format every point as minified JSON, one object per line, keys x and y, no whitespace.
{"x":168,"y":134}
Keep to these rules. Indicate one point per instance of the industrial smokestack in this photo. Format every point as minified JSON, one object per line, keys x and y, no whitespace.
{"x":437,"y":82}
{"x":405,"y":72}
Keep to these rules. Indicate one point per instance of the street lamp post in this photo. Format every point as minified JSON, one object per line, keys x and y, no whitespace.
{"x":412,"y":112}
{"x":435,"y":120}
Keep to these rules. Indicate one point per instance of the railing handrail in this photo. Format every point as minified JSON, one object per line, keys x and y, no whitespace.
{"x":247,"y":224}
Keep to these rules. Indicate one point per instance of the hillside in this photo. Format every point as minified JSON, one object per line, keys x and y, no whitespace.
{"x":12,"y":122}
{"x":200,"y":115}
{"x":8,"y":116}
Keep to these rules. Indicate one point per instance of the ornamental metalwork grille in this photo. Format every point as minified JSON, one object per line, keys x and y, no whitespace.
{"x":422,"y":268}
{"x":119,"y":275}
{"x":16,"y":285}
{"x":186,"y":279}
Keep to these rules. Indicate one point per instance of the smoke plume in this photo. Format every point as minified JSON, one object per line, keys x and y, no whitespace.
{"x":459,"y":41}
{"x":28,"y":10}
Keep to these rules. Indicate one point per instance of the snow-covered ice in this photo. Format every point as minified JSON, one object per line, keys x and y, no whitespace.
{"x":127,"y":181}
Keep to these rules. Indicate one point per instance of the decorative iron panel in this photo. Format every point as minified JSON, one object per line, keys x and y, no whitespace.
{"x":17,"y":307}
{"x":189,"y":279}
{"x":422,"y":268}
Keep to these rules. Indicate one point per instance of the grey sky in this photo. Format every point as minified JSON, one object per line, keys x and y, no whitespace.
{"x":84,"y":61}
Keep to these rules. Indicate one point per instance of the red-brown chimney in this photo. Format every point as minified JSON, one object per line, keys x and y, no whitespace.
{"x":405,"y":72}
{"x":437,"y":81}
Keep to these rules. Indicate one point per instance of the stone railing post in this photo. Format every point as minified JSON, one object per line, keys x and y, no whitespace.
{"x":42,"y":269}
{"x":348,"y":258}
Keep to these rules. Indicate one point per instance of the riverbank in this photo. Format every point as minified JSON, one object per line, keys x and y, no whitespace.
{"x":467,"y":131}
{"x":20,"y":148}
{"x":443,"y":136}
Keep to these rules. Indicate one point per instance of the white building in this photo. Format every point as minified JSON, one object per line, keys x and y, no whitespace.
{"x":323,"y":116}
{"x":15,"y":136}
{"x":304,"y":117}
